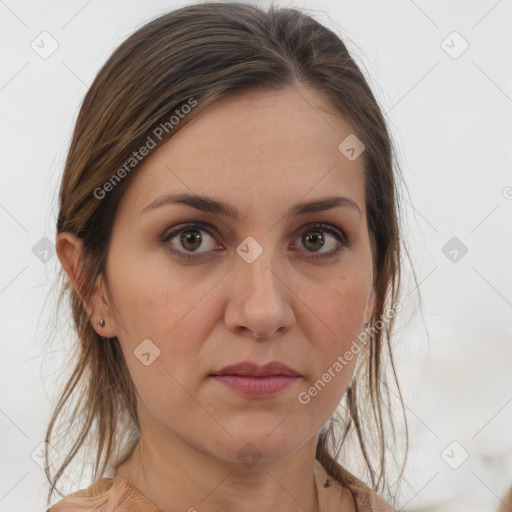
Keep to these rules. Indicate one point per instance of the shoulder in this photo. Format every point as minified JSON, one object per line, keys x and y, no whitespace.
{"x":94,"y":498}
{"x":105,"y":495}
{"x":366,"y":499}
{"x":506,"y":502}
{"x":348,"y":494}
{"x":370,"y":501}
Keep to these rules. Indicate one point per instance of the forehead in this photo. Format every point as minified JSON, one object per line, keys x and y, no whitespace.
{"x":256,"y":145}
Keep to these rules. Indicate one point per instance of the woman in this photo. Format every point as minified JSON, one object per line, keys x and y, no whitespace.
{"x":228,"y":232}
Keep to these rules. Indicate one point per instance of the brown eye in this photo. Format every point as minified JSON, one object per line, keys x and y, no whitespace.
{"x":317,"y":237}
{"x":186,"y":241}
{"x":314,"y":240}
{"x":189,"y":238}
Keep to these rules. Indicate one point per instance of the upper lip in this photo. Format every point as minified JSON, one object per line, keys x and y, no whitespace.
{"x":255,"y":370}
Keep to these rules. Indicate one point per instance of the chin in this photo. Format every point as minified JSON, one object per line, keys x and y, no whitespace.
{"x":253,"y":445}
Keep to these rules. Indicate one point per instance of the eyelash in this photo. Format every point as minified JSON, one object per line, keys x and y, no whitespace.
{"x":343,"y":242}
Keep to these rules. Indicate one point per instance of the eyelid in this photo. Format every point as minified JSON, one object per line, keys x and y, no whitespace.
{"x":343,"y":239}
{"x":178,"y":228}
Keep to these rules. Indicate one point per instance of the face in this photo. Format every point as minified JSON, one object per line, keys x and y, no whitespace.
{"x":201,"y":286}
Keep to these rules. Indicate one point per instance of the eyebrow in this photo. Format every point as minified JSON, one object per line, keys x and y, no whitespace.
{"x":211,"y":205}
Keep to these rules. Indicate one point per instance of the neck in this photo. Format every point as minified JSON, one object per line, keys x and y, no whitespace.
{"x":171,"y":475}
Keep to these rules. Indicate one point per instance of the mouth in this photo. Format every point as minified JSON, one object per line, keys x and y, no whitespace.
{"x":250,"y":379}
{"x":250,"y":369}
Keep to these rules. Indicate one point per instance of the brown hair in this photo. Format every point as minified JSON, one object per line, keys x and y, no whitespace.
{"x":506,"y":503}
{"x":208,"y":52}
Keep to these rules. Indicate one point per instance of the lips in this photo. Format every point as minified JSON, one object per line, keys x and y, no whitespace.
{"x":249,"y":379}
{"x":248,"y":368}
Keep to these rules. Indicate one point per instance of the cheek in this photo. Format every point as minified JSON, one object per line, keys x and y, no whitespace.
{"x":336,"y":312}
{"x":153,"y":300}
{"x":333,"y":323}
{"x":172,"y":311}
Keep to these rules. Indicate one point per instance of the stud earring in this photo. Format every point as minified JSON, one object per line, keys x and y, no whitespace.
{"x":102,"y":322}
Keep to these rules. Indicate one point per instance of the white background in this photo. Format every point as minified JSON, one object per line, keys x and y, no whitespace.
{"x":451,"y":120}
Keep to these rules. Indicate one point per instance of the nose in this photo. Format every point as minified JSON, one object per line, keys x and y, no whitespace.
{"x":260,"y":300}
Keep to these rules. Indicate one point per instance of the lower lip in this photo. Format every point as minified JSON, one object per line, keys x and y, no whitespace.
{"x":256,"y":386}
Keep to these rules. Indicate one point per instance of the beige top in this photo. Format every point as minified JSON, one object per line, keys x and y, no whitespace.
{"x":118,"y":495}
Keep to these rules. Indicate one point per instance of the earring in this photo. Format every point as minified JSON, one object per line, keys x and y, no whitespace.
{"x":102,"y":322}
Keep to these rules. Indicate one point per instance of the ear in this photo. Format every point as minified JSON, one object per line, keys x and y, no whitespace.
{"x":369,"y":305}
{"x":69,"y":250}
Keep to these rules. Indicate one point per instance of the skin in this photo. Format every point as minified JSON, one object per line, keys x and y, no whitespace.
{"x":261,"y":152}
